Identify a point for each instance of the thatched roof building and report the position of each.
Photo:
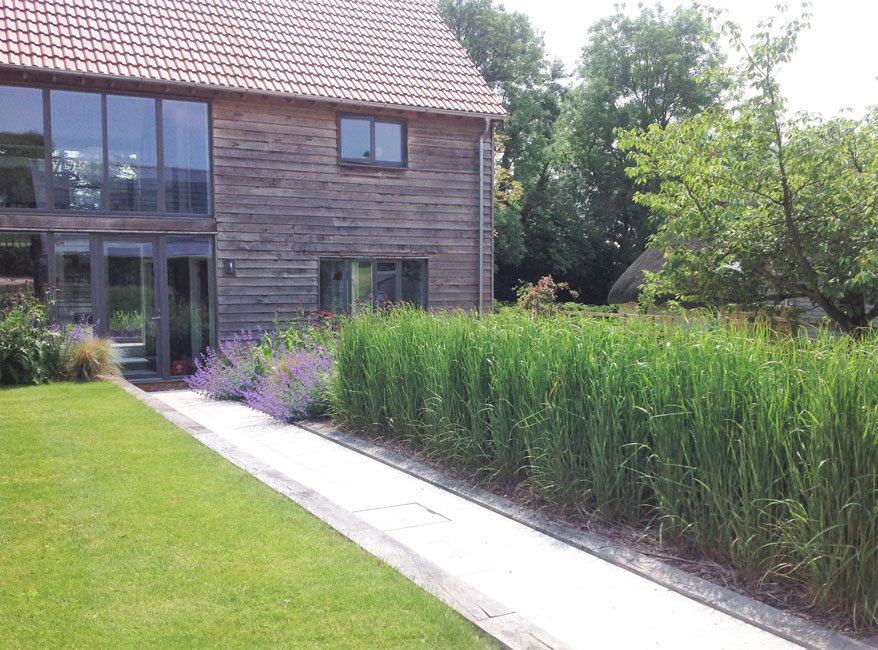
(627, 287)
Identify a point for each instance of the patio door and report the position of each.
(129, 302)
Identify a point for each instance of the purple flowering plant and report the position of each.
(283, 373)
(227, 372)
(294, 386)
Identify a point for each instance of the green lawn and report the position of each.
(118, 530)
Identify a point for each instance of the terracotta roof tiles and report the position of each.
(381, 51)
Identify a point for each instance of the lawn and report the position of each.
(119, 530)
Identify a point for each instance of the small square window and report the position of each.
(364, 140)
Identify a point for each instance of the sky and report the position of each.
(835, 66)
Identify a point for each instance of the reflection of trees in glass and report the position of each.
(22, 261)
(21, 166)
(77, 181)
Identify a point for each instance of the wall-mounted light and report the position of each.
(229, 266)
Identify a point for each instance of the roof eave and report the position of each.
(249, 91)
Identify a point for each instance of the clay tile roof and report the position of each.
(380, 51)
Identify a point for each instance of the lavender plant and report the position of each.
(228, 372)
(282, 373)
(294, 386)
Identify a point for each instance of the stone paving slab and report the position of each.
(542, 592)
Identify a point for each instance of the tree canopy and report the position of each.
(636, 71)
(752, 205)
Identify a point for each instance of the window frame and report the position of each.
(161, 212)
(380, 164)
(346, 278)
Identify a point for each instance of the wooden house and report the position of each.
(181, 171)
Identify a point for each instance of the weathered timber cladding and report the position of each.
(282, 202)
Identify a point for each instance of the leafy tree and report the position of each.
(512, 58)
(649, 69)
(754, 205)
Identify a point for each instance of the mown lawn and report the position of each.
(118, 530)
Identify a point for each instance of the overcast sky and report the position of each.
(836, 65)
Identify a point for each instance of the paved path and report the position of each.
(578, 599)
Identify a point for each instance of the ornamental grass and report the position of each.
(756, 450)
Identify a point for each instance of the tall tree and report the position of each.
(782, 206)
(636, 71)
(512, 58)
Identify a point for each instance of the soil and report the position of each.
(776, 591)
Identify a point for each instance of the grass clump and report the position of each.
(759, 450)
(118, 530)
(89, 358)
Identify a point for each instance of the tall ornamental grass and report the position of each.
(758, 450)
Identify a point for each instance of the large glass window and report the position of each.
(22, 148)
(23, 261)
(73, 279)
(132, 154)
(353, 285)
(132, 314)
(368, 140)
(186, 156)
(190, 320)
(77, 150)
(108, 152)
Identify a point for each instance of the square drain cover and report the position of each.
(406, 515)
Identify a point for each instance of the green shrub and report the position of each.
(89, 358)
(753, 448)
(30, 347)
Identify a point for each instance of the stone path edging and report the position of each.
(785, 625)
(511, 630)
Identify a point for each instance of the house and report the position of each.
(181, 171)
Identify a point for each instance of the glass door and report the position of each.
(130, 302)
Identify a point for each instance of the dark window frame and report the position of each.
(99, 316)
(161, 213)
(380, 164)
(346, 277)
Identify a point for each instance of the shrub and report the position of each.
(30, 347)
(283, 373)
(294, 385)
(761, 450)
(542, 298)
(89, 357)
(229, 372)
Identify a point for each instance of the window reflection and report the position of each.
(77, 150)
(190, 317)
(388, 142)
(355, 139)
(132, 154)
(22, 152)
(23, 261)
(73, 279)
(186, 156)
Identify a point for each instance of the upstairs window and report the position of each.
(107, 153)
(22, 148)
(356, 284)
(365, 140)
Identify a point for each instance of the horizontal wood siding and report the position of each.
(282, 202)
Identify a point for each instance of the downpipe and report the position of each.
(482, 215)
